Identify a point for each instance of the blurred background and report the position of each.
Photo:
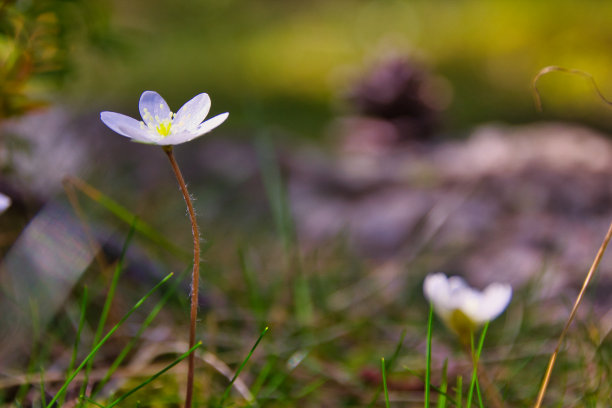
(291, 64)
(379, 137)
(296, 73)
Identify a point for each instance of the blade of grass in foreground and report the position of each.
(475, 359)
(459, 392)
(43, 397)
(146, 323)
(77, 341)
(433, 387)
(443, 386)
(428, 356)
(479, 395)
(110, 295)
(389, 367)
(229, 387)
(92, 402)
(153, 377)
(114, 281)
(101, 343)
(384, 381)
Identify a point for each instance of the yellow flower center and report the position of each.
(462, 325)
(164, 128)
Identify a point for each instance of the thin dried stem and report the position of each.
(588, 278)
(195, 276)
(552, 68)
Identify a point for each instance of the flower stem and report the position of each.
(195, 276)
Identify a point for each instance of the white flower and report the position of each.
(463, 308)
(161, 126)
(5, 202)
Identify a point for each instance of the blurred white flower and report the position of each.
(5, 202)
(461, 307)
(161, 126)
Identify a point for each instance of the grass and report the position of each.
(328, 357)
(330, 315)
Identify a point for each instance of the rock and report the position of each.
(506, 204)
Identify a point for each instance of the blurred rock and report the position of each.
(39, 149)
(507, 204)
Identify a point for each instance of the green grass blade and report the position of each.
(481, 341)
(153, 377)
(262, 376)
(438, 390)
(474, 377)
(248, 357)
(110, 333)
(475, 358)
(146, 323)
(43, 397)
(479, 395)
(114, 281)
(478, 353)
(389, 366)
(77, 340)
(443, 386)
(384, 381)
(110, 295)
(91, 401)
(459, 392)
(428, 356)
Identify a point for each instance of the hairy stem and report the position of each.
(195, 276)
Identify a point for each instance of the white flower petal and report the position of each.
(211, 123)
(469, 301)
(192, 113)
(127, 126)
(186, 135)
(451, 294)
(176, 138)
(494, 300)
(434, 285)
(5, 202)
(160, 126)
(153, 108)
(437, 291)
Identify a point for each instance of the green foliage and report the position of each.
(293, 367)
(37, 43)
(292, 63)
